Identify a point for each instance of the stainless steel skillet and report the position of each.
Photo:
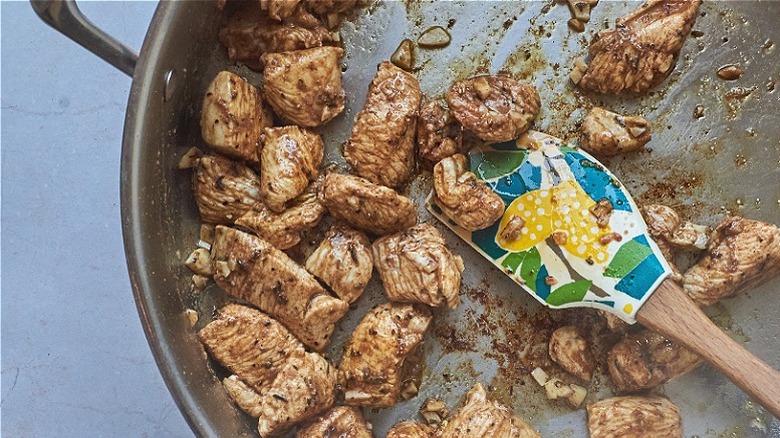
(729, 160)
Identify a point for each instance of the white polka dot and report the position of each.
(558, 223)
(574, 239)
(533, 236)
(594, 230)
(520, 207)
(567, 219)
(544, 193)
(601, 256)
(581, 249)
(527, 213)
(538, 201)
(540, 212)
(584, 212)
(524, 230)
(539, 227)
(583, 224)
(577, 204)
(585, 239)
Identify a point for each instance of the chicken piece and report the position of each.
(664, 223)
(641, 50)
(742, 253)
(645, 359)
(279, 9)
(284, 230)
(416, 267)
(304, 86)
(411, 429)
(304, 388)
(250, 344)
(381, 147)
(438, 135)
(325, 7)
(371, 369)
(247, 399)
(289, 161)
(233, 117)
(343, 261)
(372, 208)
(494, 108)
(605, 133)
(250, 268)
(249, 33)
(464, 199)
(571, 351)
(634, 417)
(338, 422)
(224, 189)
(434, 411)
(480, 417)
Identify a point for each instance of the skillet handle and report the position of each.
(65, 16)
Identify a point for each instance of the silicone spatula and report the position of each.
(584, 243)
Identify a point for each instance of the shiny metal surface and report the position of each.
(727, 161)
(65, 16)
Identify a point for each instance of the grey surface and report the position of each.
(74, 358)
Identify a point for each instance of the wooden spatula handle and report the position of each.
(671, 313)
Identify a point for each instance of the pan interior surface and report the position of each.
(727, 162)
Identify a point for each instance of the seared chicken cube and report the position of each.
(434, 411)
(381, 147)
(343, 261)
(605, 133)
(325, 7)
(742, 253)
(439, 135)
(411, 429)
(304, 86)
(480, 418)
(233, 117)
(279, 9)
(641, 50)
(571, 351)
(341, 422)
(371, 369)
(464, 199)
(246, 398)
(250, 344)
(664, 223)
(370, 207)
(304, 388)
(645, 359)
(417, 267)
(284, 230)
(289, 161)
(634, 417)
(249, 33)
(250, 268)
(224, 189)
(494, 108)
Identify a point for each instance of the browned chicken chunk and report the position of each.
(645, 359)
(338, 422)
(304, 388)
(417, 267)
(250, 344)
(742, 253)
(224, 189)
(439, 135)
(343, 261)
(605, 133)
(284, 230)
(371, 369)
(671, 233)
(641, 50)
(634, 417)
(494, 108)
(233, 117)
(249, 33)
(571, 351)
(304, 86)
(466, 200)
(480, 418)
(289, 161)
(381, 147)
(324, 7)
(372, 208)
(411, 429)
(279, 9)
(247, 399)
(250, 268)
